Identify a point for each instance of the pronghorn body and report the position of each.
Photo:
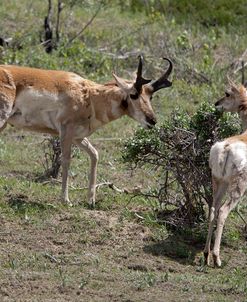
(65, 104)
(43, 100)
(228, 163)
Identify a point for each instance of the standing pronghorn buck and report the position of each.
(63, 103)
(228, 162)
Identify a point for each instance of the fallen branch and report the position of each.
(52, 258)
(108, 184)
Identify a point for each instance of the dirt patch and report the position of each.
(83, 255)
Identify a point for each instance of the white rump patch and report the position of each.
(228, 159)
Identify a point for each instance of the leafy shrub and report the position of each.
(177, 153)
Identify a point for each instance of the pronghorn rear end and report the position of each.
(228, 163)
(65, 104)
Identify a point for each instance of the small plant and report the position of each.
(52, 157)
(145, 280)
(177, 156)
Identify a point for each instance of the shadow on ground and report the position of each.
(177, 248)
(20, 203)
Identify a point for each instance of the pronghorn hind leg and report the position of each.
(236, 191)
(6, 106)
(7, 97)
(219, 190)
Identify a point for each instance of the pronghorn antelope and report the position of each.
(63, 103)
(228, 162)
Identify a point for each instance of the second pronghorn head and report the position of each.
(235, 99)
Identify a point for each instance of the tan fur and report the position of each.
(235, 100)
(65, 104)
(228, 162)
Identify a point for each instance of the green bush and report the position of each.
(177, 153)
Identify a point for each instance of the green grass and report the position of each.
(120, 251)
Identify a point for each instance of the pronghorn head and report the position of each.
(235, 99)
(138, 95)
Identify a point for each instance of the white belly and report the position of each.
(35, 109)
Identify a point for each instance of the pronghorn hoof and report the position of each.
(91, 202)
(207, 258)
(91, 205)
(67, 202)
(217, 261)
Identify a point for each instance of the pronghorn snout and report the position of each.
(151, 121)
(218, 104)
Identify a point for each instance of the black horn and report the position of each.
(163, 82)
(140, 81)
(243, 77)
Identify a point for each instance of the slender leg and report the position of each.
(93, 153)
(237, 190)
(66, 136)
(3, 127)
(219, 189)
(6, 105)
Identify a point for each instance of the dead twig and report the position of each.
(48, 29)
(87, 24)
(52, 258)
(59, 9)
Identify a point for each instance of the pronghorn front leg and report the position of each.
(93, 153)
(66, 136)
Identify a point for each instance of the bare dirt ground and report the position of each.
(88, 255)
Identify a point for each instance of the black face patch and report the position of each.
(134, 96)
(124, 104)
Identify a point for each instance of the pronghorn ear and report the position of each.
(233, 86)
(235, 89)
(121, 83)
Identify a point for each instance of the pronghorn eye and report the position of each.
(227, 94)
(134, 96)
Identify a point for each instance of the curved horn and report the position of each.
(140, 81)
(244, 83)
(169, 70)
(163, 82)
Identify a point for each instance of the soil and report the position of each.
(89, 255)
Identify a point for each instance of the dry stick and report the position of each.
(128, 34)
(52, 258)
(49, 11)
(86, 25)
(124, 56)
(240, 215)
(237, 61)
(59, 9)
(48, 29)
(109, 184)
